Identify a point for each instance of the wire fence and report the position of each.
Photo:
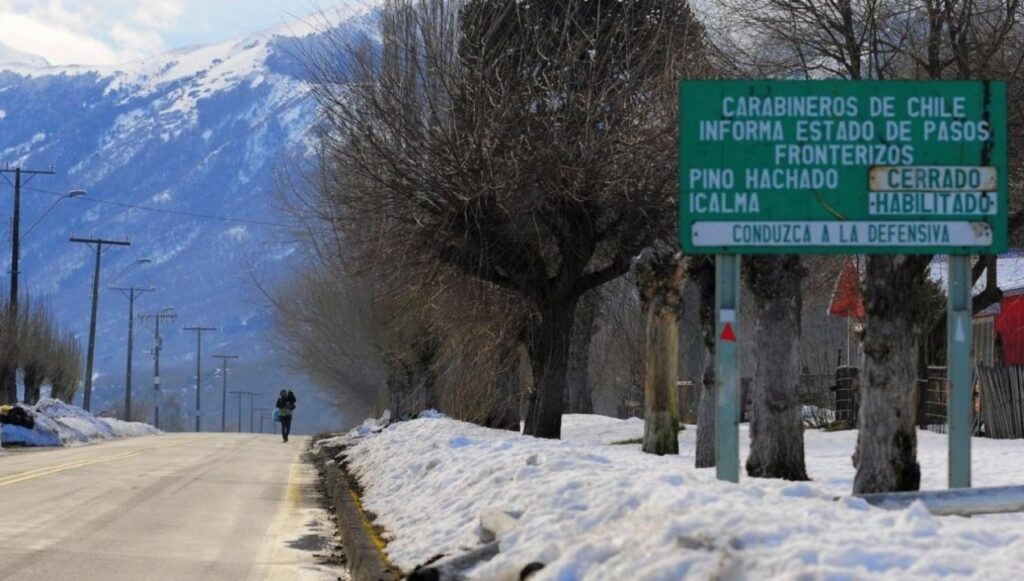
(831, 400)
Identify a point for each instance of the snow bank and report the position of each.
(596, 511)
(60, 424)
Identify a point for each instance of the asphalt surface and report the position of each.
(176, 506)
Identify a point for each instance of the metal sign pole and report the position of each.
(959, 338)
(727, 376)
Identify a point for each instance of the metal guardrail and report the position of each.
(958, 501)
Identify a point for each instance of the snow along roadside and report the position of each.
(60, 424)
(597, 511)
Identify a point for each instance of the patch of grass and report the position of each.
(839, 425)
(627, 442)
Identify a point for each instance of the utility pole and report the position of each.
(167, 313)
(199, 369)
(224, 392)
(130, 292)
(240, 394)
(263, 414)
(8, 383)
(252, 400)
(99, 243)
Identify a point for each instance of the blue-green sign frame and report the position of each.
(867, 167)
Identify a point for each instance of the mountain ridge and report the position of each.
(199, 131)
(12, 56)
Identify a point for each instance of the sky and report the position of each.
(98, 32)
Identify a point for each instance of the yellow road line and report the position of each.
(39, 472)
(293, 495)
(370, 529)
(275, 561)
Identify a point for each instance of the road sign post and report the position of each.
(958, 341)
(727, 372)
(843, 167)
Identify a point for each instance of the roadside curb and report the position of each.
(363, 545)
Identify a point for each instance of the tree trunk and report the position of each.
(578, 379)
(706, 414)
(8, 384)
(549, 358)
(428, 385)
(399, 385)
(886, 456)
(33, 384)
(504, 413)
(426, 355)
(659, 278)
(529, 389)
(776, 428)
(702, 272)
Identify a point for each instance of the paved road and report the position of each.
(177, 506)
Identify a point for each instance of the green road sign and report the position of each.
(882, 167)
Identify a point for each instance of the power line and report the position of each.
(166, 210)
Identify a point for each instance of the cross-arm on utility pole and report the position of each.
(99, 243)
(16, 223)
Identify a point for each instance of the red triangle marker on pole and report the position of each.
(728, 334)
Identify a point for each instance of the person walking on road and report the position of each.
(285, 408)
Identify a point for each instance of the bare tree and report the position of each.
(65, 368)
(329, 325)
(36, 336)
(9, 331)
(617, 350)
(42, 349)
(173, 417)
(524, 145)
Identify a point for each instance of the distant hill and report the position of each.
(9, 56)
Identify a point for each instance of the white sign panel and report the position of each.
(905, 234)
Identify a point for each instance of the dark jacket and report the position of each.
(286, 402)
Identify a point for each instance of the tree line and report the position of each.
(497, 185)
(32, 341)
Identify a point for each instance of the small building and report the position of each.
(999, 328)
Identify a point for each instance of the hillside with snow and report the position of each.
(9, 56)
(180, 154)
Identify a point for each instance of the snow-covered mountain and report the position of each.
(9, 56)
(201, 131)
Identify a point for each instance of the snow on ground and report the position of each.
(592, 510)
(60, 424)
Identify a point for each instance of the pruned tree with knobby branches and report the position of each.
(529, 146)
